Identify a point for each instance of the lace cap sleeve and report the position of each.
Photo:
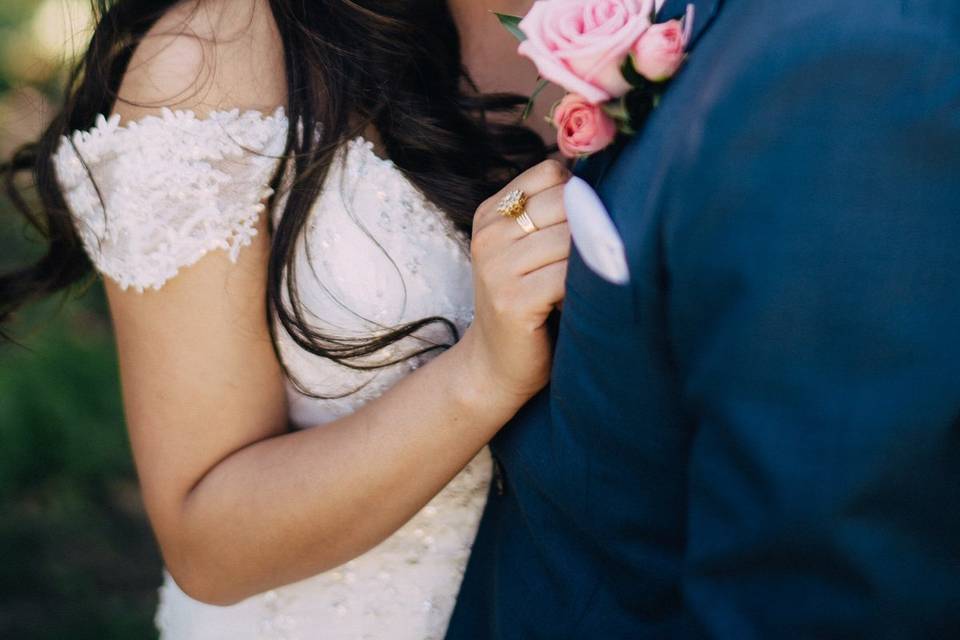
(156, 195)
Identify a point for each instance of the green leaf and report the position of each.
(630, 74)
(543, 84)
(620, 112)
(512, 24)
(617, 109)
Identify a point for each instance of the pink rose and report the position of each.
(582, 127)
(658, 54)
(581, 44)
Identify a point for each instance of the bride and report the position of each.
(279, 195)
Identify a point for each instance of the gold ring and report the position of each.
(526, 223)
(513, 204)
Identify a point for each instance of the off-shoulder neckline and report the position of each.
(113, 123)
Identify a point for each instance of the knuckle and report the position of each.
(555, 277)
(510, 301)
(485, 207)
(553, 170)
(554, 196)
(549, 200)
(480, 242)
(485, 273)
(556, 241)
(501, 305)
(561, 205)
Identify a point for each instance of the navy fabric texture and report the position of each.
(759, 435)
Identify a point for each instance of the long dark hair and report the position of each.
(350, 65)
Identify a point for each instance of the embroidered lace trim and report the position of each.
(168, 189)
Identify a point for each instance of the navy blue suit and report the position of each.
(759, 435)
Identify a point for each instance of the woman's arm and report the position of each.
(239, 504)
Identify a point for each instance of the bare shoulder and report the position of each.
(207, 55)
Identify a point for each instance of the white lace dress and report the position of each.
(375, 254)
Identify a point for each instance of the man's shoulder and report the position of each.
(763, 67)
(786, 17)
(755, 47)
(751, 30)
(820, 44)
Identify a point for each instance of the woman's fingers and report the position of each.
(545, 210)
(519, 279)
(544, 176)
(538, 249)
(546, 286)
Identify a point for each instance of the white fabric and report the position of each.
(375, 254)
(175, 187)
(594, 233)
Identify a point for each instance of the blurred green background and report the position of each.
(77, 559)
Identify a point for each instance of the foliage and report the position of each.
(78, 558)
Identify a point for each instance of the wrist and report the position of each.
(476, 385)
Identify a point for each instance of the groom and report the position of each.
(758, 435)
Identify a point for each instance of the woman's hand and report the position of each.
(518, 280)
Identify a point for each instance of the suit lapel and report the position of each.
(594, 167)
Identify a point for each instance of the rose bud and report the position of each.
(660, 51)
(582, 127)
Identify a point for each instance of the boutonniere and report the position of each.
(609, 55)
